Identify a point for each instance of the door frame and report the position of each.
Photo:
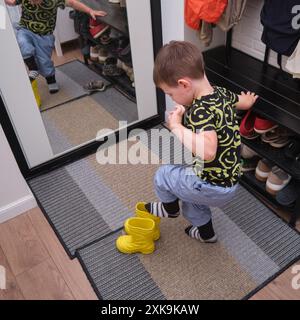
(91, 147)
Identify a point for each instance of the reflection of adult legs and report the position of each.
(27, 49)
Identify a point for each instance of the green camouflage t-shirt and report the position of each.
(41, 18)
(216, 112)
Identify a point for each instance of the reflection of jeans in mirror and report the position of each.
(38, 46)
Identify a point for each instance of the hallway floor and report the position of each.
(38, 267)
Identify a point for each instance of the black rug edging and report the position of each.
(71, 256)
(78, 256)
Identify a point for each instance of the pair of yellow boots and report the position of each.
(142, 230)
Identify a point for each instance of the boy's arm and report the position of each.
(246, 100)
(83, 8)
(10, 2)
(203, 144)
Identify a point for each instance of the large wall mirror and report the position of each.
(99, 74)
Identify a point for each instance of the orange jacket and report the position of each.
(207, 10)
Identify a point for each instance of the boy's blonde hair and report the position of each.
(176, 60)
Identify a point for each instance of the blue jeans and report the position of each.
(180, 182)
(38, 46)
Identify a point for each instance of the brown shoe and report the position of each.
(277, 180)
(262, 170)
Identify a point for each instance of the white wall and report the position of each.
(174, 28)
(15, 195)
(247, 34)
(19, 100)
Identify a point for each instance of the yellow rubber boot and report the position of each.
(36, 92)
(141, 212)
(140, 236)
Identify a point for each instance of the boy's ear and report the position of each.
(184, 83)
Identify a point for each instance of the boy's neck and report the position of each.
(202, 88)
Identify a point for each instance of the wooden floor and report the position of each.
(37, 266)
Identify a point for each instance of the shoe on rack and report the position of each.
(110, 68)
(280, 142)
(125, 55)
(98, 30)
(105, 39)
(246, 152)
(262, 125)
(123, 3)
(249, 164)
(247, 126)
(93, 23)
(114, 1)
(264, 167)
(95, 85)
(277, 180)
(102, 55)
(288, 195)
(94, 53)
(122, 43)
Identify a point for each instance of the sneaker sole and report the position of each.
(261, 131)
(261, 175)
(274, 188)
(279, 145)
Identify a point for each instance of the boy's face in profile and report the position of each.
(181, 94)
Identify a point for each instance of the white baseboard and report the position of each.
(16, 208)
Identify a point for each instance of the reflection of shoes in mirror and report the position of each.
(98, 30)
(33, 74)
(94, 52)
(53, 87)
(123, 3)
(125, 55)
(102, 55)
(111, 69)
(105, 39)
(95, 85)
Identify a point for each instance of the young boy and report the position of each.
(35, 34)
(205, 122)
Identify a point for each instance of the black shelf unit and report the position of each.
(116, 16)
(117, 19)
(279, 101)
(276, 155)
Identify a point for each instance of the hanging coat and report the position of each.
(207, 10)
(279, 34)
(230, 17)
(293, 63)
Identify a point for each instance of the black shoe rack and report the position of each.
(279, 101)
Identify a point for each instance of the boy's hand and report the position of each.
(97, 13)
(175, 117)
(246, 100)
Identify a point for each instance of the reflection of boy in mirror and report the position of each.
(35, 34)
